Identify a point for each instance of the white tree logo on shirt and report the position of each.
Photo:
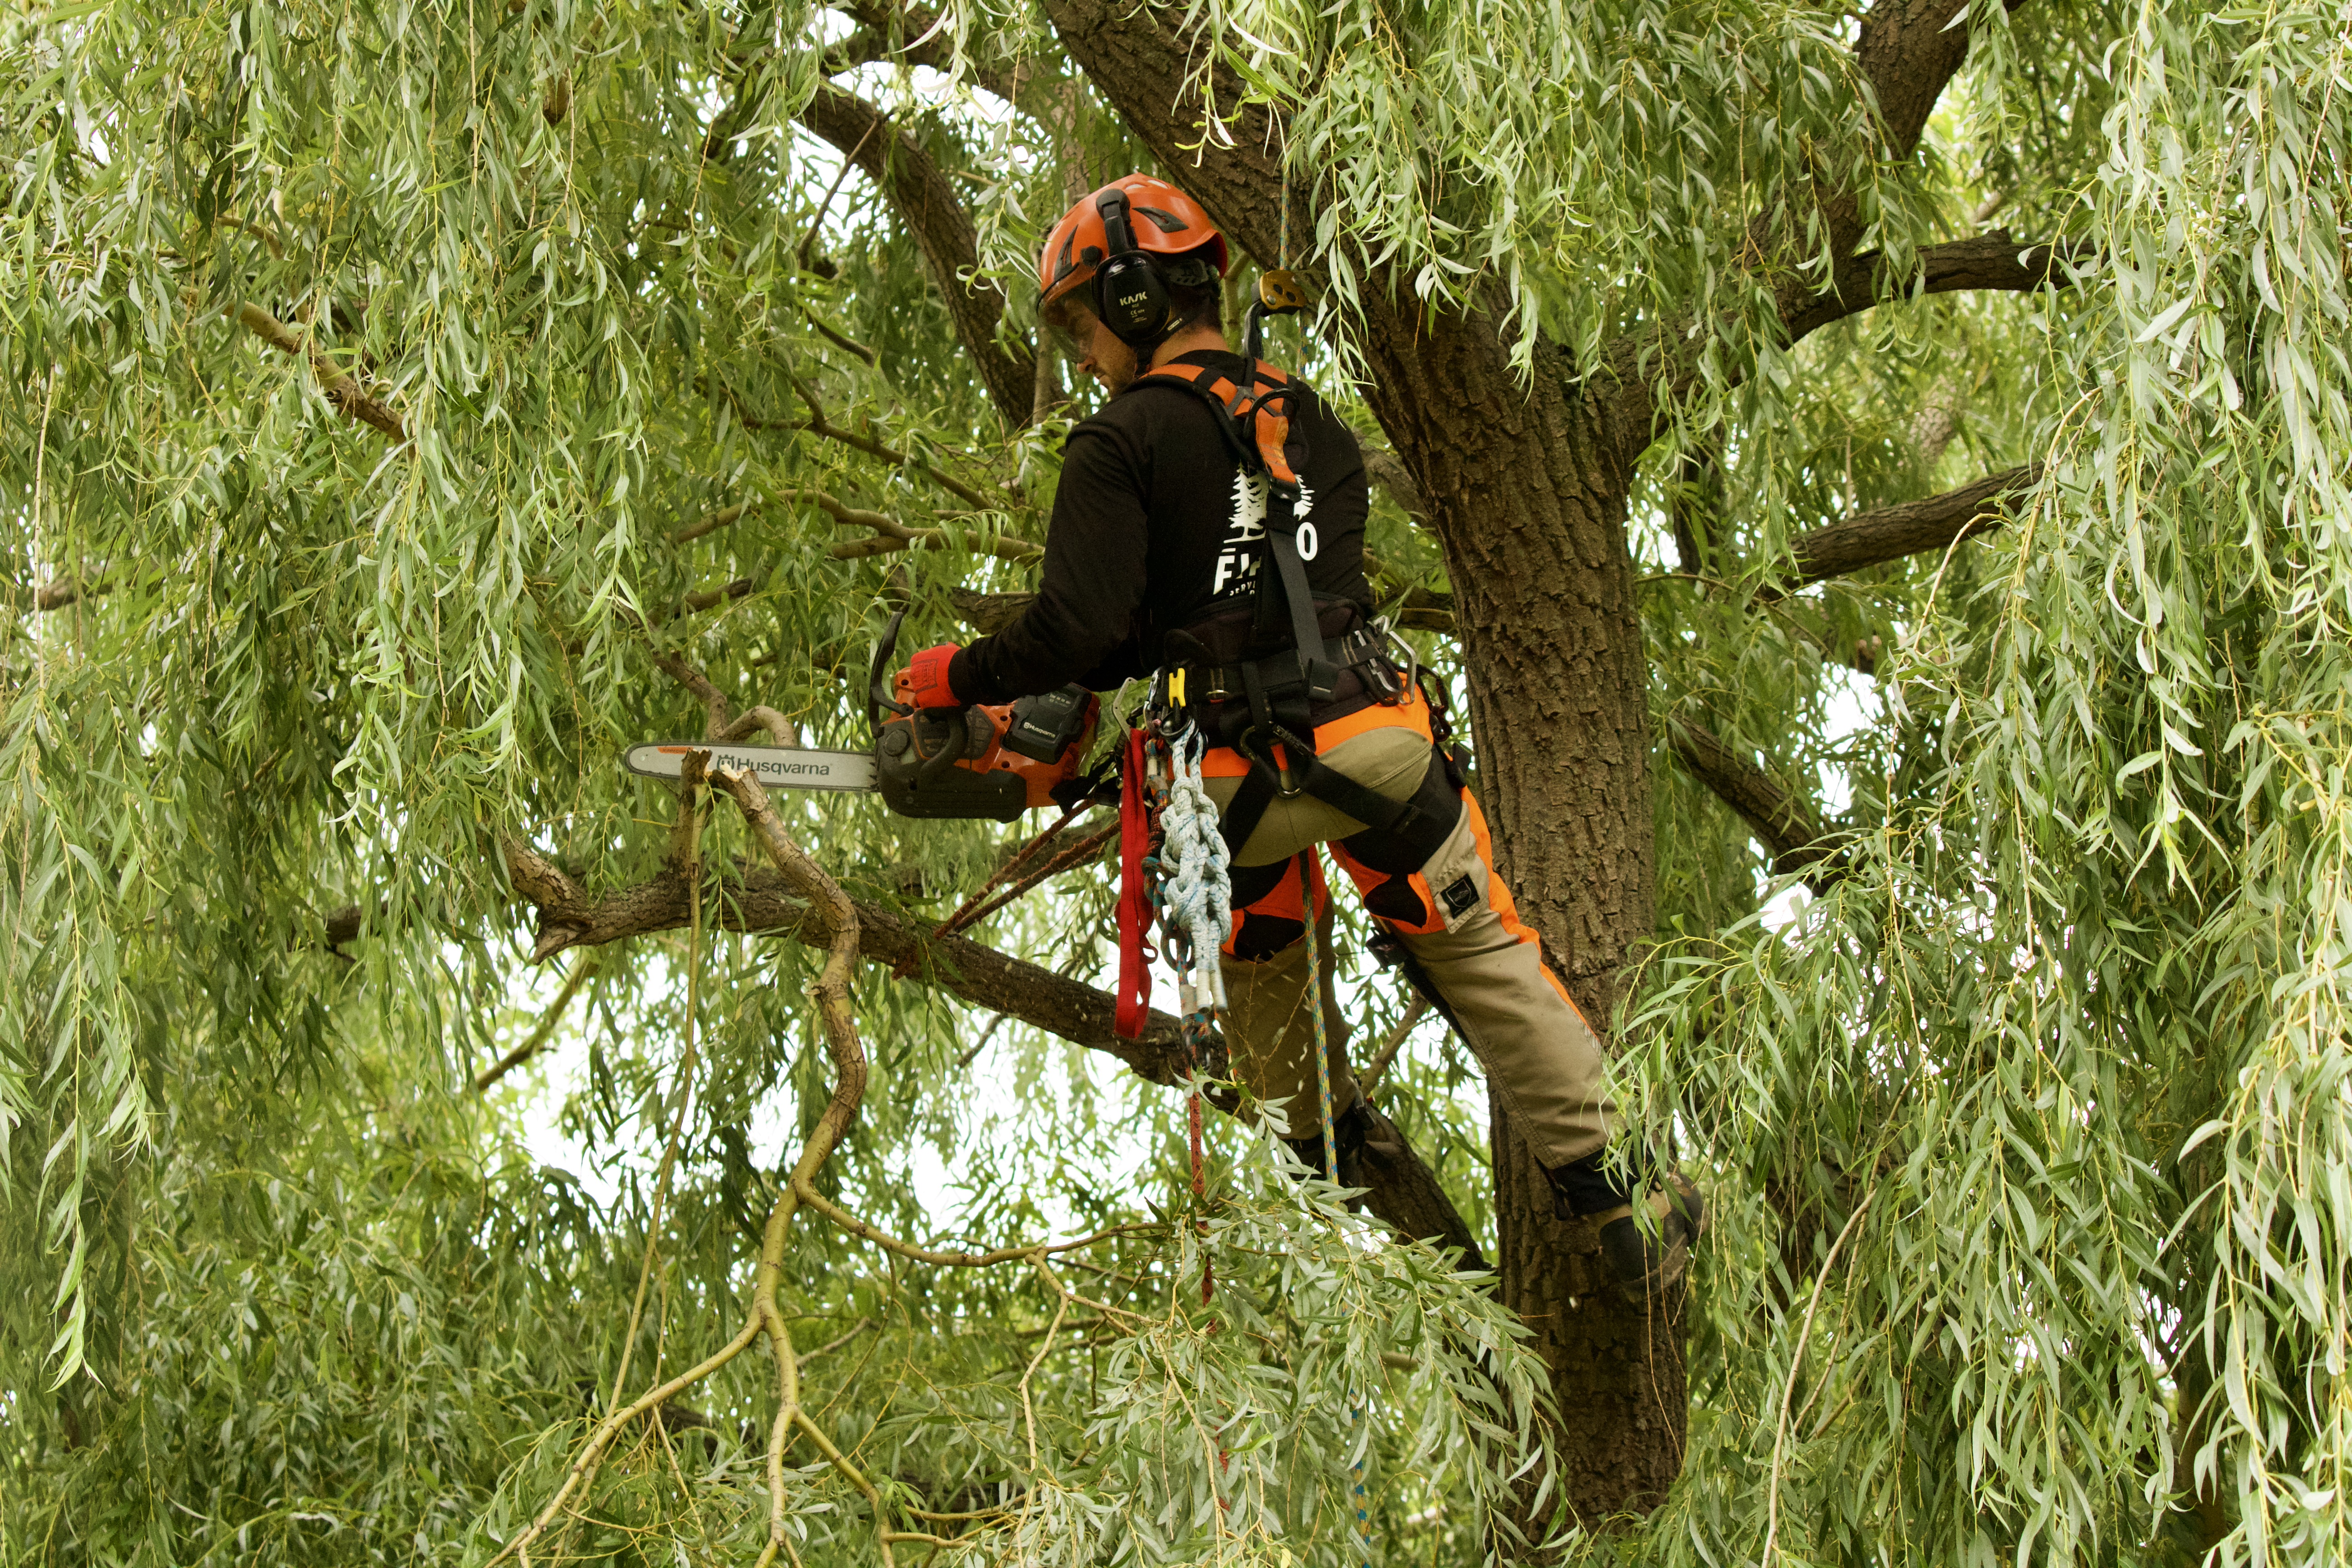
(1239, 553)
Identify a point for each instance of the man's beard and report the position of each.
(1119, 370)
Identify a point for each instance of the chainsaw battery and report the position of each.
(1045, 726)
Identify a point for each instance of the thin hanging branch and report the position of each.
(817, 424)
(543, 1032)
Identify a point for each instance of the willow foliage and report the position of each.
(394, 394)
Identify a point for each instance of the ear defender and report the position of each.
(1130, 297)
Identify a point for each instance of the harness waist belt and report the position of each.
(1223, 682)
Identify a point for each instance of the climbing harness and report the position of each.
(1264, 707)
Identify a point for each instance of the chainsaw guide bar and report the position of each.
(774, 766)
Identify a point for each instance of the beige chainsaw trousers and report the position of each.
(1450, 910)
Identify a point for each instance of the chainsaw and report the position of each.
(992, 762)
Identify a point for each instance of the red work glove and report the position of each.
(924, 681)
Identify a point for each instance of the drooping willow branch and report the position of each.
(836, 917)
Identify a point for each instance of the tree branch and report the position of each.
(925, 201)
(757, 900)
(1892, 532)
(1405, 1191)
(1386, 470)
(341, 389)
(542, 1033)
(716, 725)
(882, 34)
(1990, 261)
(1784, 824)
(725, 516)
(1908, 54)
(59, 592)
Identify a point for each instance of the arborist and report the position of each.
(1209, 524)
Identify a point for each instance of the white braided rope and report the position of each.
(1199, 889)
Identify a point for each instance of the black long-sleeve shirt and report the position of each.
(1151, 530)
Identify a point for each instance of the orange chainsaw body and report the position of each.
(995, 761)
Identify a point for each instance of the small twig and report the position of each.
(981, 904)
(539, 1036)
(829, 1346)
(1061, 1311)
(1369, 1078)
(980, 1044)
(816, 220)
(928, 1517)
(865, 1232)
(890, 535)
(1788, 1389)
(841, 340)
(816, 423)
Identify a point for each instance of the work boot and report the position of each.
(1648, 1260)
(1354, 1132)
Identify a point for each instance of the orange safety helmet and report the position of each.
(1128, 236)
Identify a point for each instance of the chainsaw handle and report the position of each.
(950, 751)
(877, 696)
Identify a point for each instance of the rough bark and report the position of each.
(1892, 532)
(1529, 501)
(1992, 261)
(926, 200)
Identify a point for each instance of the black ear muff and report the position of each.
(1130, 297)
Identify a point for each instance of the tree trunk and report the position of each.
(1528, 502)
(1525, 487)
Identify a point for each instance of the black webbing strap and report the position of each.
(1423, 831)
(1322, 676)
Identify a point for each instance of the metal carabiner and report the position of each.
(1386, 627)
(1281, 784)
